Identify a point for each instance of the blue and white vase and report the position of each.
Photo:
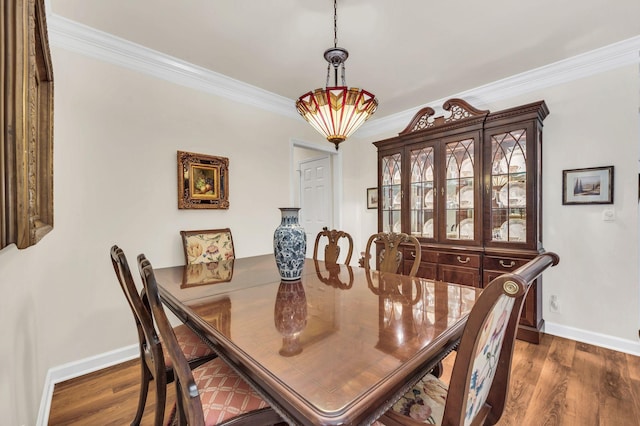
(290, 245)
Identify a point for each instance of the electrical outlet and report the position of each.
(609, 215)
(554, 304)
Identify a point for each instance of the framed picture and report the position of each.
(588, 186)
(203, 181)
(372, 198)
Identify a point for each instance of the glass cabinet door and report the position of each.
(459, 190)
(422, 204)
(509, 186)
(391, 192)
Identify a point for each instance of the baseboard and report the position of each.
(597, 339)
(77, 369)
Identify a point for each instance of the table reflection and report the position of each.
(207, 273)
(404, 313)
(330, 274)
(290, 316)
(216, 312)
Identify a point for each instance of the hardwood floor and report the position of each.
(107, 397)
(558, 382)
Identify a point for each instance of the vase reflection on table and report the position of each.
(290, 315)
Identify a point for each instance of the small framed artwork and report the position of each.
(588, 186)
(203, 181)
(372, 198)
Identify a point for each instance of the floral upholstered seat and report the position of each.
(207, 246)
(480, 377)
(425, 402)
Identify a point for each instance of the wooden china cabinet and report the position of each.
(468, 186)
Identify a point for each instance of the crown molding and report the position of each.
(610, 57)
(79, 38)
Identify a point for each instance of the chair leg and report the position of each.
(438, 370)
(161, 397)
(145, 378)
(181, 416)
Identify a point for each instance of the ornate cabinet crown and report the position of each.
(468, 186)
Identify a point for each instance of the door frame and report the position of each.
(336, 175)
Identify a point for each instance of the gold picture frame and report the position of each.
(26, 113)
(203, 181)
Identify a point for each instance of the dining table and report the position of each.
(339, 346)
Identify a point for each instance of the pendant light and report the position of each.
(336, 111)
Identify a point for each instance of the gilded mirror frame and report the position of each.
(26, 113)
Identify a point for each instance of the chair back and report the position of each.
(480, 377)
(187, 397)
(150, 346)
(390, 254)
(206, 246)
(332, 249)
(149, 343)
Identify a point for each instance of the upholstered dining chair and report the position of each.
(155, 364)
(206, 246)
(480, 378)
(211, 394)
(332, 249)
(390, 256)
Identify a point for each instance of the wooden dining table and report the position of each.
(337, 347)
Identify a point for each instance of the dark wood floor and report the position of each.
(558, 382)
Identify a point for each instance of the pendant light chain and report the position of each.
(335, 23)
(335, 44)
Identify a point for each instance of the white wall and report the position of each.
(594, 122)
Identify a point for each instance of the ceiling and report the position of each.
(406, 52)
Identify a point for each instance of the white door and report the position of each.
(315, 198)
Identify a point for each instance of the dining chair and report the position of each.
(332, 249)
(155, 364)
(208, 245)
(479, 381)
(390, 256)
(213, 393)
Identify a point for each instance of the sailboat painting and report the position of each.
(588, 186)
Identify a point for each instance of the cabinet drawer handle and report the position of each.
(507, 265)
(466, 260)
(413, 254)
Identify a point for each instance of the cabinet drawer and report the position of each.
(499, 263)
(425, 255)
(466, 260)
(458, 275)
(426, 270)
